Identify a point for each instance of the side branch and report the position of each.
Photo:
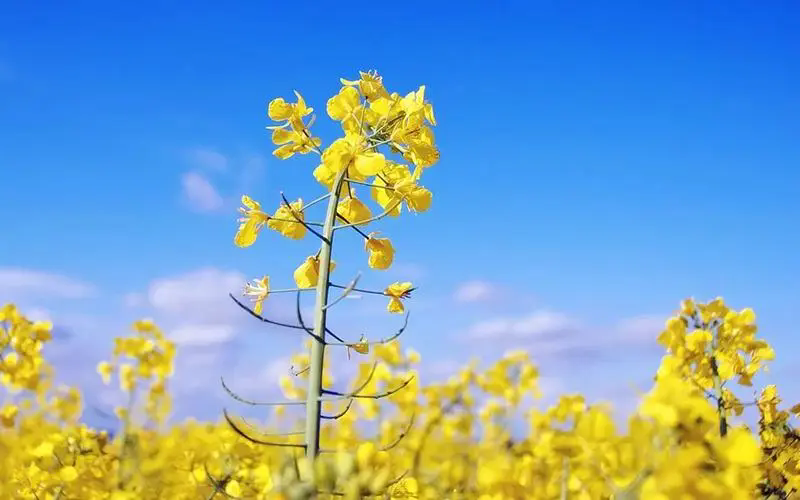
(371, 219)
(300, 221)
(272, 322)
(371, 396)
(382, 341)
(308, 330)
(246, 436)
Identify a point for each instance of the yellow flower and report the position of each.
(68, 474)
(353, 210)
(381, 252)
(345, 107)
(350, 153)
(307, 274)
(397, 184)
(370, 85)
(293, 136)
(8, 415)
(252, 222)
(259, 290)
(127, 377)
(396, 292)
(233, 488)
(105, 369)
(361, 347)
(285, 220)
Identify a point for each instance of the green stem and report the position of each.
(723, 421)
(313, 403)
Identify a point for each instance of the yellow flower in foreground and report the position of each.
(251, 223)
(280, 110)
(351, 153)
(381, 252)
(353, 210)
(307, 275)
(259, 290)
(370, 85)
(293, 136)
(285, 220)
(395, 292)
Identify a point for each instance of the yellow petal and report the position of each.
(279, 109)
(368, 164)
(68, 473)
(247, 233)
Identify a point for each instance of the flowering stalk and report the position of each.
(313, 402)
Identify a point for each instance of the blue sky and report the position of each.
(600, 162)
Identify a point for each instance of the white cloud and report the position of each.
(38, 314)
(537, 325)
(202, 335)
(133, 299)
(201, 296)
(476, 291)
(644, 328)
(208, 159)
(199, 193)
(15, 282)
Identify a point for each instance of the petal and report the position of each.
(284, 152)
(281, 136)
(247, 233)
(279, 109)
(369, 164)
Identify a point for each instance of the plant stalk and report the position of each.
(313, 403)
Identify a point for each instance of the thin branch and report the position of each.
(314, 202)
(297, 373)
(354, 225)
(339, 415)
(319, 224)
(339, 396)
(272, 434)
(344, 294)
(402, 435)
(272, 322)
(300, 221)
(308, 330)
(257, 403)
(388, 188)
(243, 434)
(382, 341)
(371, 219)
(371, 396)
(372, 292)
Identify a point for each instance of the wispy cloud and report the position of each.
(549, 332)
(199, 194)
(642, 328)
(209, 169)
(200, 294)
(17, 282)
(207, 159)
(476, 291)
(536, 325)
(202, 335)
